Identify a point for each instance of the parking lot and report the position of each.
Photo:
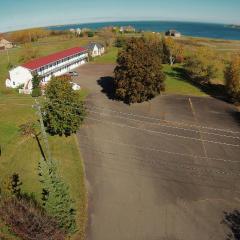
(167, 169)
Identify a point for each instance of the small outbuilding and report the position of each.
(5, 44)
(173, 33)
(95, 49)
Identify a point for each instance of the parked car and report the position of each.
(75, 86)
(73, 74)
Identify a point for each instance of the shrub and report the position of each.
(36, 90)
(138, 75)
(201, 66)
(28, 221)
(90, 34)
(232, 78)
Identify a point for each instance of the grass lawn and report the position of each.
(175, 84)
(109, 57)
(21, 155)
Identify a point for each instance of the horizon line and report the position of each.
(121, 21)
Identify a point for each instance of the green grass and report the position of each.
(175, 84)
(109, 57)
(21, 155)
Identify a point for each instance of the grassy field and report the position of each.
(21, 155)
(109, 57)
(176, 84)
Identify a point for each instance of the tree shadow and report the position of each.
(236, 116)
(215, 90)
(107, 84)
(232, 221)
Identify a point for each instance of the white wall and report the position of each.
(18, 76)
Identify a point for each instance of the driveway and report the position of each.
(167, 169)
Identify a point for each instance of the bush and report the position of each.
(28, 220)
(36, 92)
(232, 78)
(120, 42)
(63, 111)
(138, 75)
(90, 34)
(201, 66)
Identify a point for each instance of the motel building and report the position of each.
(56, 64)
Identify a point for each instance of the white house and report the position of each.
(53, 65)
(95, 49)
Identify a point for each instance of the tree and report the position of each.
(12, 186)
(172, 51)
(201, 65)
(36, 88)
(120, 42)
(138, 75)
(56, 198)
(63, 111)
(232, 78)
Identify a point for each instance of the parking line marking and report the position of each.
(196, 120)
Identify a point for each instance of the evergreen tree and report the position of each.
(36, 89)
(138, 75)
(56, 198)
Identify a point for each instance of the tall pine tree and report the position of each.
(56, 197)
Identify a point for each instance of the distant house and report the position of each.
(5, 44)
(127, 29)
(95, 49)
(78, 31)
(173, 33)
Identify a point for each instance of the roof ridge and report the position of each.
(44, 60)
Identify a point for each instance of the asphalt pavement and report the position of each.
(166, 169)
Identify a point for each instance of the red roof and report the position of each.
(37, 63)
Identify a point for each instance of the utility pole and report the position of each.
(44, 134)
(8, 56)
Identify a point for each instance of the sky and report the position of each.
(19, 14)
